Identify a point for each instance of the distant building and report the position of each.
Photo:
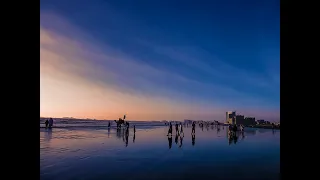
(261, 121)
(249, 121)
(187, 121)
(239, 119)
(230, 117)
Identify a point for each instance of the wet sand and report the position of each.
(99, 153)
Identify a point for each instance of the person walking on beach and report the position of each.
(134, 129)
(47, 122)
(109, 124)
(193, 128)
(50, 122)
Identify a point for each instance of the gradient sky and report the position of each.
(157, 60)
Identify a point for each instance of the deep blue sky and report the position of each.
(225, 44)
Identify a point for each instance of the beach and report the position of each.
(94, 152)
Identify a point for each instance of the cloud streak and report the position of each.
(84, 77)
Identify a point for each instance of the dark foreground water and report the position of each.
(96, 153)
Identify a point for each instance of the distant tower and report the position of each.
(230, 117)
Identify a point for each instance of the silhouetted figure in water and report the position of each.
(50, 123)
(109, 124)
(177, 130)
(193, 139)
(127, 136)
(170, 129)
(202, 128)
(170, 141)
(181, 128)
(47, 123)
(193, 131)
(134, 137)
(134, 129)
(176, 139)
(181, 140)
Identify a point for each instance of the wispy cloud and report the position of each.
(82, 76)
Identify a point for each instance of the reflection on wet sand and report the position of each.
(134, 137)
(232, 136)
(193, 137)
(170, 141)
(48, 134)
(181, 140)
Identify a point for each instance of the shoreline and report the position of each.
(264, 127)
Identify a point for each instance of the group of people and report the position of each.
(179, 129)
(49, 123)
(125, 134)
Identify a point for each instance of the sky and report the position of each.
(159, 59)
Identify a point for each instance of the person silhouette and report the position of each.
(47, 123)
(193, 139)
(170, 141)
(181, 129)
(193, 131)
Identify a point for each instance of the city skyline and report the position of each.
(153, 61)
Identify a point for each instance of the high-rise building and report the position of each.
(230, 117)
